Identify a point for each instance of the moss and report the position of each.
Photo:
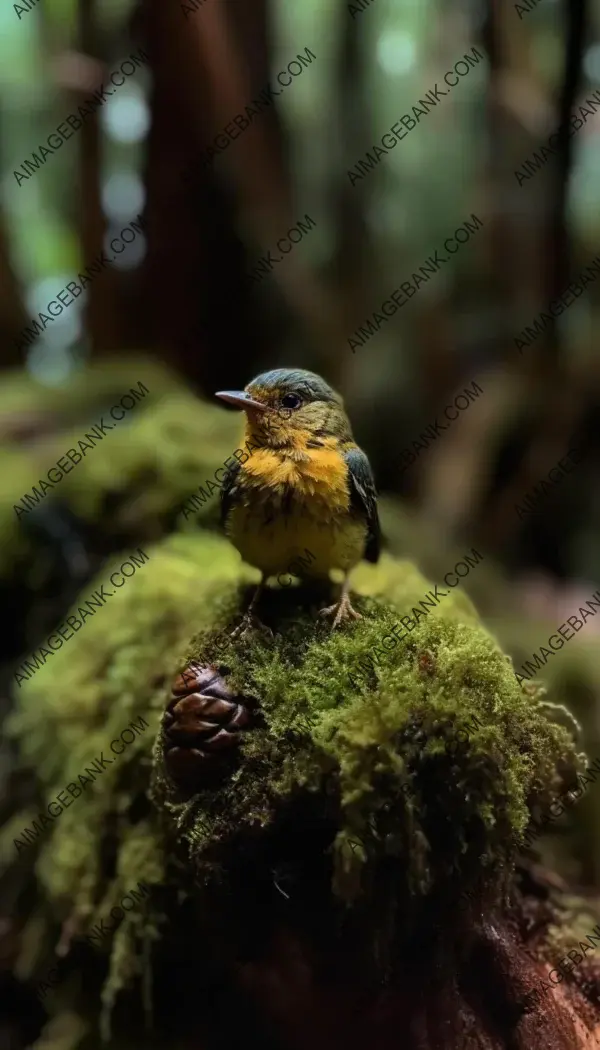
(81, 393)
(408, 529)
(112, 672)
(426, 761)
(391, 732)
(557, 922)
(116, 668)
(137, 479)
(66, 410)
(132, 484)
(571, 676)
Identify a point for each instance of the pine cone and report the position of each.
(202, 726)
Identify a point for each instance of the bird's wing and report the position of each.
(228, 490)
(363, 497)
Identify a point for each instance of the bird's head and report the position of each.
(287, 406)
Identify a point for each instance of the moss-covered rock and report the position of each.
(137, 479)
(438, 756)
(571, 676)
(129, 487)
(110, 675)
(133, 481)
(391, 775)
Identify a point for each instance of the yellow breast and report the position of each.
(317, 474)
(296, 505)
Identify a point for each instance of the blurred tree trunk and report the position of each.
(100, 314)
(207, 67)
(556, 403)
(13, 315)
(192, 297)
(354, 259)
(558, 255)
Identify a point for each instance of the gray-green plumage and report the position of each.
(363, 496)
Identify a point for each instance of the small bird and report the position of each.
(306, 486)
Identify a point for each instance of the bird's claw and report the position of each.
(250, 622)
(341, 611)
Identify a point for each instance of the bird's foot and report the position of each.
(341, 611)
(250, 622)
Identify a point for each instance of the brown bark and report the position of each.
(468, 996)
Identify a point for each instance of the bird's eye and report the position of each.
(291, 401)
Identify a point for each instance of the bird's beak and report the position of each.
(241, 399)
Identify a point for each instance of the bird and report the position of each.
(305, 486)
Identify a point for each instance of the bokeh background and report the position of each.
(178, 309)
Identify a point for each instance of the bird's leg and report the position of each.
(250, 621)
(341, 610)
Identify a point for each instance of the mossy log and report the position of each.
(307, 885)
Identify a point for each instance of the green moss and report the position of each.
(571, 675)
(117, 666)
(114, 670)
(86, 388)
(131, 486)
(430, 759)
(136, 480)
(382, 731)
(67, 411)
